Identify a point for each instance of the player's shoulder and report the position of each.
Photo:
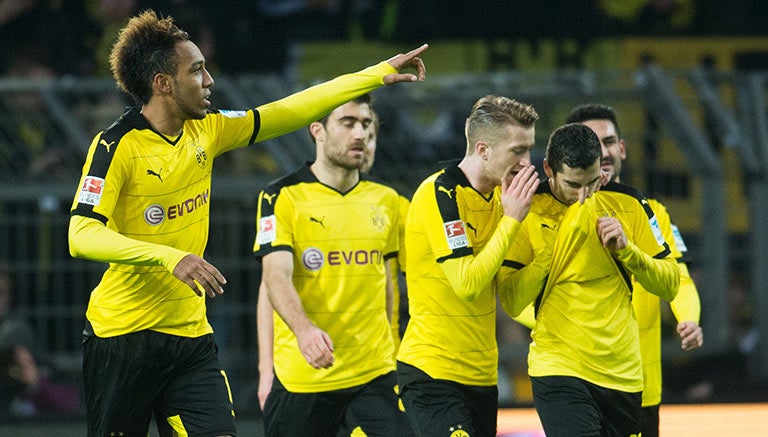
(619, 190)
(301, 175)
(129, 121)
(378, 184)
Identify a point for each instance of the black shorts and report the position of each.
(651, 421)
(438, 407)
(569, 406)
(130, 377)
(372, 406)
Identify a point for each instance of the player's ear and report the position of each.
(317, 130)
(547, 168)
(161, 83)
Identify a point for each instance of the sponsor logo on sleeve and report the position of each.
(456, 234)
(232, 114)
(90, 192)
(267, 232)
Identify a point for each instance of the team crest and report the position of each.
(201, 156)
(457, 431)
(377, 219)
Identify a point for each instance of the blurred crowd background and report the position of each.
(689, 79)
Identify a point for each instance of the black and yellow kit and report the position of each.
(154, 192)
(456, 239)
(585, 324)
(685, 306)
(339, 243)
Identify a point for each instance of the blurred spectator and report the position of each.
(46, 23)
(25, 391)
(31, 146)
(14, 330)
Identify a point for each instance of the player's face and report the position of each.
(370, 149)
(571, 185)
(513, 151)
(192, 82)
(613, 146)
(345, 135)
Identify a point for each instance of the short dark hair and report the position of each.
(593, 111)
(145, 46)
(365, 99)
(574, 145)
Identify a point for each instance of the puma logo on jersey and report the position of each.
(318, 221)
(269, 197)
(546, 226)
(151, 172)
(447, 191)
(106, 144)
(469, 225)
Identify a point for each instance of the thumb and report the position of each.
(399, 77)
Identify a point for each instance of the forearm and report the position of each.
(659, 276)
(286, 303)
(686, 305)
(91, 239)
(302, 108)
(265, 331)
(390, 290)
(518, 289)
(470, 275)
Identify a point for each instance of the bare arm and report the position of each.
(314, 343)
(265, 332)
(390, 290)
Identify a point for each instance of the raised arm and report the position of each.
(300, 109)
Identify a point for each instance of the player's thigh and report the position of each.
(621, 411)
(565, 407)
(121, 383)
(651, 421)
(442, 408)
(198, 398)
(375, 409)
(288, 414)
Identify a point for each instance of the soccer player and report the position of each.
(574, 255)
(685, 306)
(143, 206)
(326, 235)
(459, 227)
(264, 317)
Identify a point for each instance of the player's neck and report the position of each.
(339, 178)
(162, 120)
(472, 167)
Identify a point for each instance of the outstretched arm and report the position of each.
(300, 109)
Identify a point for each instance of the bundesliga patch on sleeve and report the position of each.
(657, 231)
(267, 230)
(90, 192)
(679, 242)
(455, 234)
(232, 114)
